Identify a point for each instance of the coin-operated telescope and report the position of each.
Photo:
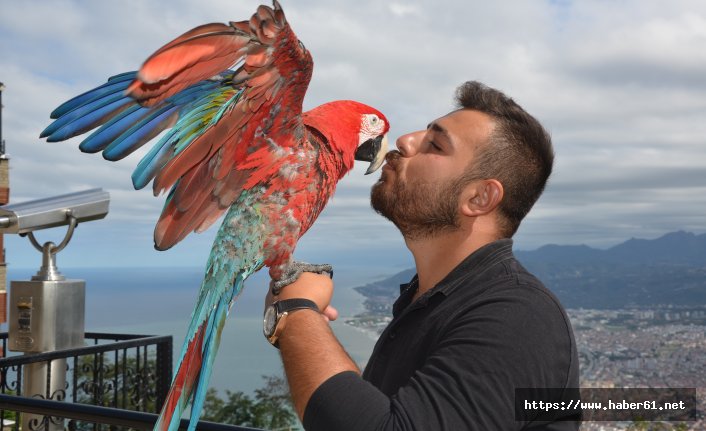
(47, 313)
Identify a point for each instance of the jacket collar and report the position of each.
(470, 268)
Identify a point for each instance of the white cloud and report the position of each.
(403, 9)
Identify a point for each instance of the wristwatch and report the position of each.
(276, 316)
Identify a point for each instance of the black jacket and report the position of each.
(453, 359)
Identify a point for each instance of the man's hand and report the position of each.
(310, 352)
(315, 287)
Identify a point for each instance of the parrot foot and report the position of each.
(293, 271)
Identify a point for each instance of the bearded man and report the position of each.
(473, 325)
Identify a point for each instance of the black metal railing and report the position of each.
(88, 414)
(128, 372)
(115, 382)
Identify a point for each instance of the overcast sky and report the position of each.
(621, 85)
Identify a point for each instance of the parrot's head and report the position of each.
(353, 130)
(372, 138)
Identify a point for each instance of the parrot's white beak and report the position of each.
(373, 151)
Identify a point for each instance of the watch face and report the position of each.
(268, 327)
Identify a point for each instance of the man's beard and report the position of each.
(419, 210)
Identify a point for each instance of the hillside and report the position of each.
(670, 270)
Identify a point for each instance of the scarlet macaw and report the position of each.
(239, 141)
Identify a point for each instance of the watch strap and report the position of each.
(286, 305)
(282, 309)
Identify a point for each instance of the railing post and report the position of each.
(164, 371)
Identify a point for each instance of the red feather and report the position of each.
(185, 378)
(196, 55)
(231, 156)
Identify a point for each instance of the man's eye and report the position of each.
(434, 146)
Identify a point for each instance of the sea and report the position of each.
(159, 301)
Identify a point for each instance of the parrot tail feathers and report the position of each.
(182, 385)
(211, 344)
(198, 354)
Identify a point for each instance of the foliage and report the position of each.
(8, 415)
(127, 383)
(641, 425)
(270, 408)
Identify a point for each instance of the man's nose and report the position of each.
(409, 144)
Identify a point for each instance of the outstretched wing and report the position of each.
(224, 90)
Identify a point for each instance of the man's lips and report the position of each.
(392, 159)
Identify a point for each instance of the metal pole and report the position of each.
(2, 141)
(4, 199)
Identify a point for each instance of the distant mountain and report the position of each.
(670, 270)
(676, 248)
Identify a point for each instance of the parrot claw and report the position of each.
(293, 271)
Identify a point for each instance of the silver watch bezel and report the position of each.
(274, 319)
(269, 323)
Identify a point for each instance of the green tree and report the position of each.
(271, 407)
(642, 425)
(102, 382)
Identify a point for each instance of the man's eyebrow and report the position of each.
(438, 129)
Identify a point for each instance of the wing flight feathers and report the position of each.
(227, 92)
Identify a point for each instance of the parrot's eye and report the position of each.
(371, 124)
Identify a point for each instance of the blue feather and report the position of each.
(182, 134)
(150, 164)
(102, 137)
(123, 76)
(117, 83)
(119, 124)
(139, 133)
(212, 341)
(82, 120)
(160, 153)
(188, 94)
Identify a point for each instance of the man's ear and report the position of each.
(481, 197)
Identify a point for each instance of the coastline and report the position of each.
(369, 324)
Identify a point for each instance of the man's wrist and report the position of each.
(298, 323)
(279, 312)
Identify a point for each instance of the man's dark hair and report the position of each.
(519, 153)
